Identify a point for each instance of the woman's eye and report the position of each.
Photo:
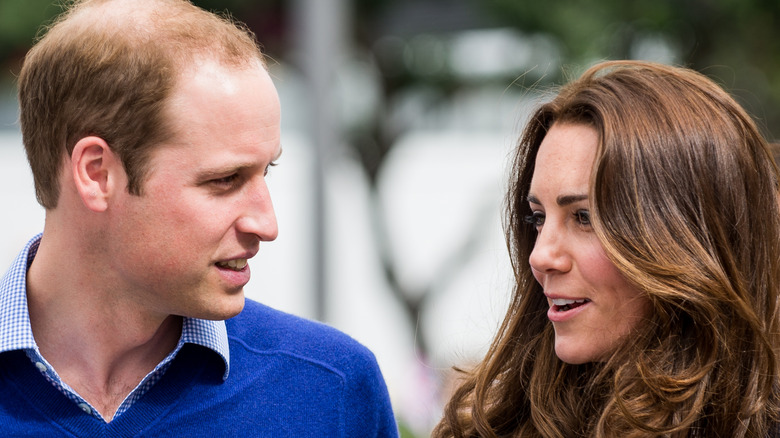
(583, 217)
(536, 219)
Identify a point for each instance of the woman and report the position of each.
(643, 227)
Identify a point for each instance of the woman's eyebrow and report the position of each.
(562, 200)
(565, 200)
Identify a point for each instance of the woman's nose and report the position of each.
(550, 254)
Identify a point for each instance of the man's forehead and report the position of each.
(212, 66)
(208, 80)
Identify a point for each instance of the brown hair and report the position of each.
(106, 68)
(684, 199)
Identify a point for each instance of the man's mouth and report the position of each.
(235, 264)
(563, 305)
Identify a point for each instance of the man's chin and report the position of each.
(225, 309)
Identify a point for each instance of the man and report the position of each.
(149, 127)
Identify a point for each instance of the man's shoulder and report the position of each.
(263, 329)
(294, 377)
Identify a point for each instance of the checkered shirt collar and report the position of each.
(16, 332)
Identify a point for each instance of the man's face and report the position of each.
(181, 247)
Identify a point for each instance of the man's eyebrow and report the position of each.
(219, 172)
(562, 200)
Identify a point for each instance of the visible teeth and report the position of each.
(235, 264)
(563, 302)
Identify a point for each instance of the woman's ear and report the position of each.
(94, 166)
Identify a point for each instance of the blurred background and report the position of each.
(398, 121)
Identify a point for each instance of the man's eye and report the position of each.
(583, 217)
(536, 219)
(225, 180)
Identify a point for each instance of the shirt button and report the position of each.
(41, 367)
(85, 407)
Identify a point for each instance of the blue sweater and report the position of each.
(289, 377)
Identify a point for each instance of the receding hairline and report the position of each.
(106, 68)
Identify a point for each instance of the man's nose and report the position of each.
(259, 217)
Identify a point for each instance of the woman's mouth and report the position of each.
(563, 305)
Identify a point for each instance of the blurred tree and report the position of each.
(380, 30)
(734, 42)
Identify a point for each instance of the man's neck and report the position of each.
(100, 343)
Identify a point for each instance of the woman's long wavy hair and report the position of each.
(684, 199)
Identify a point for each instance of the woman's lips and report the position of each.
(563, 309)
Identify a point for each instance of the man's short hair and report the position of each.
(106, 68)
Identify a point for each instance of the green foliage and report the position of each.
(19, 23)
(736, 42)
(19, 20)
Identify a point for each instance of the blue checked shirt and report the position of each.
(16, 334)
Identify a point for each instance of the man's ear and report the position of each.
(96, 172)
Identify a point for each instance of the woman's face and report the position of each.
(593, 308)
